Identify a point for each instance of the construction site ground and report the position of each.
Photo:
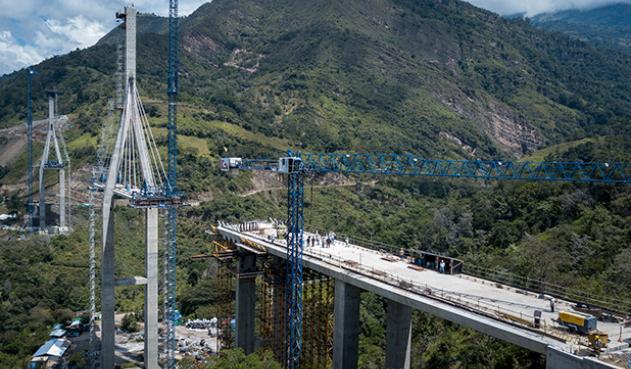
(130, 346)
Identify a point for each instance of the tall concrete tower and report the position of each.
(135, 172)
(47, 164)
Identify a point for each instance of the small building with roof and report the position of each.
(49, 354)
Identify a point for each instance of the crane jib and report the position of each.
(410, 165)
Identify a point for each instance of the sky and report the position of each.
(534, 7)
(33, 30)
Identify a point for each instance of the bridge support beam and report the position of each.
(398, 335)
(246, 302)
(108, 283)
(557, 359)
(346, 326)
(151, 289)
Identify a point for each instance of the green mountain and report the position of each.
(607, 25)
(438, 78)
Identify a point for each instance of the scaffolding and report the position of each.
(318, 311)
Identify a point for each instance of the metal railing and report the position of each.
(470, 302)
(614, 305)
(611, 304)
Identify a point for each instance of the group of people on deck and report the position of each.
(324, 241)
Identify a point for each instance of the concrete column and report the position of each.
(62, 199)
(42, 188)
(42, 200)
(398, 335)
(130, 43)
(246, 302)
(107, 296)
(346, 328)
(151, 289)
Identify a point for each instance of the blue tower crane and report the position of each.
(29, 148)
(295, 166)
(171, 251)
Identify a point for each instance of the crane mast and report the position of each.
(171, 244)
(29, 149)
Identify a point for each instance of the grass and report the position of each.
(540, 155)
(237, 131)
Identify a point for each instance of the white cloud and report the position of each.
(14, 56)
(78, 30)
(40, 29)
(534, 7)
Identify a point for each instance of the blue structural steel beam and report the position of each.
(29, 148)
(397, 164)
(171, 252)
(293, 291)
(411, 165)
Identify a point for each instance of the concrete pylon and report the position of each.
(51, 138)
(346, 326)
(151, 288)
(398, 335)
(246, 302)
(130, 133)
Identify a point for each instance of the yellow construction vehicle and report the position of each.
(577, 322)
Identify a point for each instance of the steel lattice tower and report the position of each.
(295, 230)
(29, 149)
(171, 251)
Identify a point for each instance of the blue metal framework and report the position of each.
(397, 164)
(53, 164)
(29, 148)
(171, 252)
(411, 165)
(295, 241)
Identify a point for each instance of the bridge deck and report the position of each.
(500, 310)
(506, 302)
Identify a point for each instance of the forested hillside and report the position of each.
(438, 78)
(608, 25)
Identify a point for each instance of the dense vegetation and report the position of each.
(235, 359)
(608, 25)
(439, 78)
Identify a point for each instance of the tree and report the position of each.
(235, 359)
(129, 323)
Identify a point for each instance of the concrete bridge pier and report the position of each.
(398, 335)
(151, 289)
(346, 326)
(108, 303)
(246, 302)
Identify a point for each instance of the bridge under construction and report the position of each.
(519, 316)
(132, 173)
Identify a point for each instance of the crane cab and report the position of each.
(230, 163)
(289, 164)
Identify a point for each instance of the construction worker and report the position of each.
(441, 266)
(552, 304)
(597, 343)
